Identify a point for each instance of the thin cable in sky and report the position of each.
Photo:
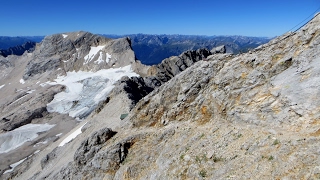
(305, 19)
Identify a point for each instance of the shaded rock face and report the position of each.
(170, 67)
(138, 87)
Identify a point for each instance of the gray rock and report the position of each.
(91, 146)
(220, 49)
(70, 53)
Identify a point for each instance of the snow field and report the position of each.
(84, 90)
(92, 53)
(13, 139)
(72, 136)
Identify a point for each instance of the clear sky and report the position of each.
(267, 18)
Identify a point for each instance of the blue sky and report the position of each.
(267, 18)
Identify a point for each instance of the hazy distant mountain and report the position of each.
(152, 49)
(19, 49)
(8, 42)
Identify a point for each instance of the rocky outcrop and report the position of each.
(91, 146)
(220, 49)
(170, 67)
(138, 87)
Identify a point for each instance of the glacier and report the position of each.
(84, 90)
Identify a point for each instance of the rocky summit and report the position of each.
(81, 106)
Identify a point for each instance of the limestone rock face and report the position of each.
(79, 51)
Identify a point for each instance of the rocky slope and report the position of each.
(250, 116)
(67, 77)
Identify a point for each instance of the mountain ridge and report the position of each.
(199, 115)
(152, 49)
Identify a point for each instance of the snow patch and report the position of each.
(92, 53)
(2, 86)
(100, 58)
(36, 152)
(12, 166)
(13, 139)
(44, 84)
(31, 91)
(84, 90)
(22, 81)
(72, 136)
(18, 99)
(40, 143)
(108, 57)
(64, 35)
(58, 134)
(38, 82)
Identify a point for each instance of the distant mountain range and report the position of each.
(8, 42)
(18, 45)
(152, 49)
(19, 49)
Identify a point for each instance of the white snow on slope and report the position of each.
(22, 81)
(2, 86)
(108, 57)
(84, 90)
(72, 136)
(64, 35)
(13, 139)
(100, 60)
(12, 166)
(31, 91)
(92, 53)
